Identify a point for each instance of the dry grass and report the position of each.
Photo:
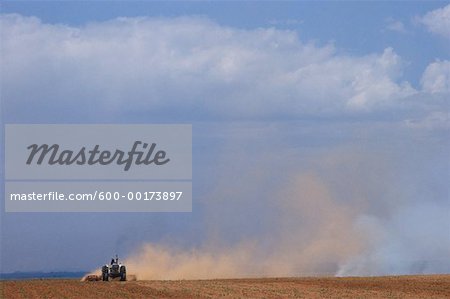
(428, 286)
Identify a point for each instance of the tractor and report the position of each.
(114, 270)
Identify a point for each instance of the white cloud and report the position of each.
(191, 64)
(395, 25)
(438, 21)
(436, 77)
(374, 85)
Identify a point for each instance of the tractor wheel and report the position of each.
(105, 274)
(123, 273)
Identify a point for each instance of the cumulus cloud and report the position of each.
(436, 77)
(438, 21)
(190, 66)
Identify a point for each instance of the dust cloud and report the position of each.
(312, 235)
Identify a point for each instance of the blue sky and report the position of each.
(304, 114)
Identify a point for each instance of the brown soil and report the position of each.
(427, 286)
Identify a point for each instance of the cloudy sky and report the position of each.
(320, 130)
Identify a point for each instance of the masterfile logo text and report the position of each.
(53, 155)
(120, 152)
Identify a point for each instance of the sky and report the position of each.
(320, 132)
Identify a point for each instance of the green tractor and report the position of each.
(114, 270)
